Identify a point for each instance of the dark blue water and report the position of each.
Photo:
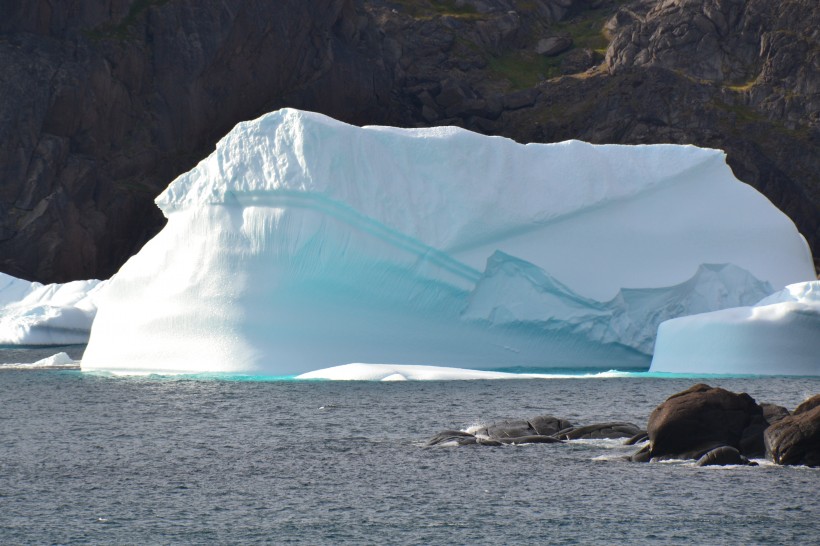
(91, 459)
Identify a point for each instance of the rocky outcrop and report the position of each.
(544, 425)
(718, 427)
(544, 429)
(795, 440)
(709, 425)
(105, 102)
(693, 422)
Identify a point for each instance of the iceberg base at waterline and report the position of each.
(303, 243)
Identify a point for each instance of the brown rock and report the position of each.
(697, 420)
(807, 405)
(795, 440)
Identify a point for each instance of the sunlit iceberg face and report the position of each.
(303, 243)
(54, 314)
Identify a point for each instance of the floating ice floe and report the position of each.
(54, 314)
(59, 361)
(408, 372)
(778, 335)
(303, 243)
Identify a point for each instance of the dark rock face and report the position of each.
(697, 420)
(751, 443)
(722, 456)
(105, 102)
(795, 440)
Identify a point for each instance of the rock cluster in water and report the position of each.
(544, 429)
(710, 425)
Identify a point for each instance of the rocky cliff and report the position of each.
(105, 102)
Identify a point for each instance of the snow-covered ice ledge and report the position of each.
(303, 243)
(780, 335)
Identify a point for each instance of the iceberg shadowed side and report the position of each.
(779, 335)
(303, 243)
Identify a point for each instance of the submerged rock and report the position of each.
(641, 436)
(533, 439)
(722, 456)
(538, 430)
(452, 437)
(601, 431)
(543, 425)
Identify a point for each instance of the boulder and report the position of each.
(795, 440)
(722, 456)
(578, 60)
(807, 405)
(690, 423)
(553, 45)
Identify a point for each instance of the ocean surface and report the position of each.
(93, 459)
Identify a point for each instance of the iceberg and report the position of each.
(54, 314)
(780, 335)
(302, 243)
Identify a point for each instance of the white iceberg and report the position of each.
(780, 335)
(303, 243)
(53, 314)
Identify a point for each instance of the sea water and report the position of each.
(142, 460)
